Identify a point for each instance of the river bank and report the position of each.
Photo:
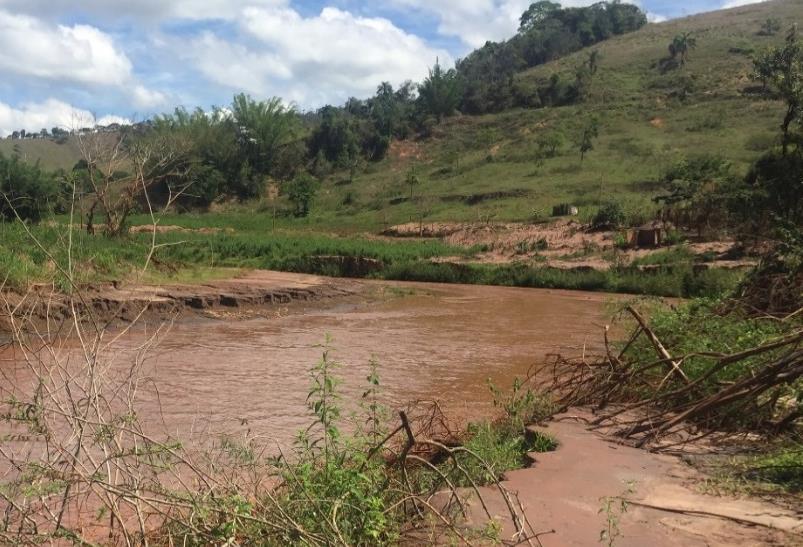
(594, 484)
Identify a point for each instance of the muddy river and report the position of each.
(440, 342)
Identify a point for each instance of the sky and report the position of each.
(71, 63)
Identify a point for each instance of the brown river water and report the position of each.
(432, 342)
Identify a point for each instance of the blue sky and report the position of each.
(72, 62)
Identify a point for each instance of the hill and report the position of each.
(50, 154)
(493, 165)
(487, 166)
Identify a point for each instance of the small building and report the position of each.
(565, 210)
(649, 236)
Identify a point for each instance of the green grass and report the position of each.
(192, 256)
(699, 327)
(50, 154)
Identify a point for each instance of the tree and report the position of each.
(549, 144)
(770, 27)
(585, 76)
(122, 170)
(681, 46)
(592, 62)
(412, 180)
(782, 67)
(536, 14)
(441, 92)
(301, 192)
(265, 128)
(585, 142)
(26, 191)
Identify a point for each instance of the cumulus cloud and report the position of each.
(48, 114)
(313, 60)
(79, 53)
(154, 10)
(473, 21)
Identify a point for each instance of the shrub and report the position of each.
(25, 190)
(301, 191)
(610, 216)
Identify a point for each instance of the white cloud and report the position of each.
(48, 114)
(313, 60)
(79, 53)
(146, 98)
(473, 21)
(155, 10)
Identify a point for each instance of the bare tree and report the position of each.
(121, 170)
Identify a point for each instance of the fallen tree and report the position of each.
(754, 389)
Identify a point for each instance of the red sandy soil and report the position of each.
(255, 290)
(565, 491)
(569, 243)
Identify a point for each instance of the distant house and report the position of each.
(649, 236)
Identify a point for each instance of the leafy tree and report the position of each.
(698, 192)
(782, 68)
(412, 180)
(682, 45)
(25, 190)
(592, 62)
(536, 14)
(264, 128)
(610, 216)
(770, 27)
(585, 75)
(441, 92)
(549, 144)
(216, 164)
(336, 137)
(585, 142)
(301, 192)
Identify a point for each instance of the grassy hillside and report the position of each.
(476, 167)
(50, 154)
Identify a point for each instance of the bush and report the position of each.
(301, 191)
(26, 190)
(610, 216)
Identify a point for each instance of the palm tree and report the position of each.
(681, 46)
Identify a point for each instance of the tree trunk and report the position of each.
(791, 114)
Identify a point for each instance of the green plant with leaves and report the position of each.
(265, 129)
(301, 193)
(412, 180)
(26, 191)
(681, 47)
(441, 92)
(770, 27)
(588, 134)
(782, 69)
(610, 216)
